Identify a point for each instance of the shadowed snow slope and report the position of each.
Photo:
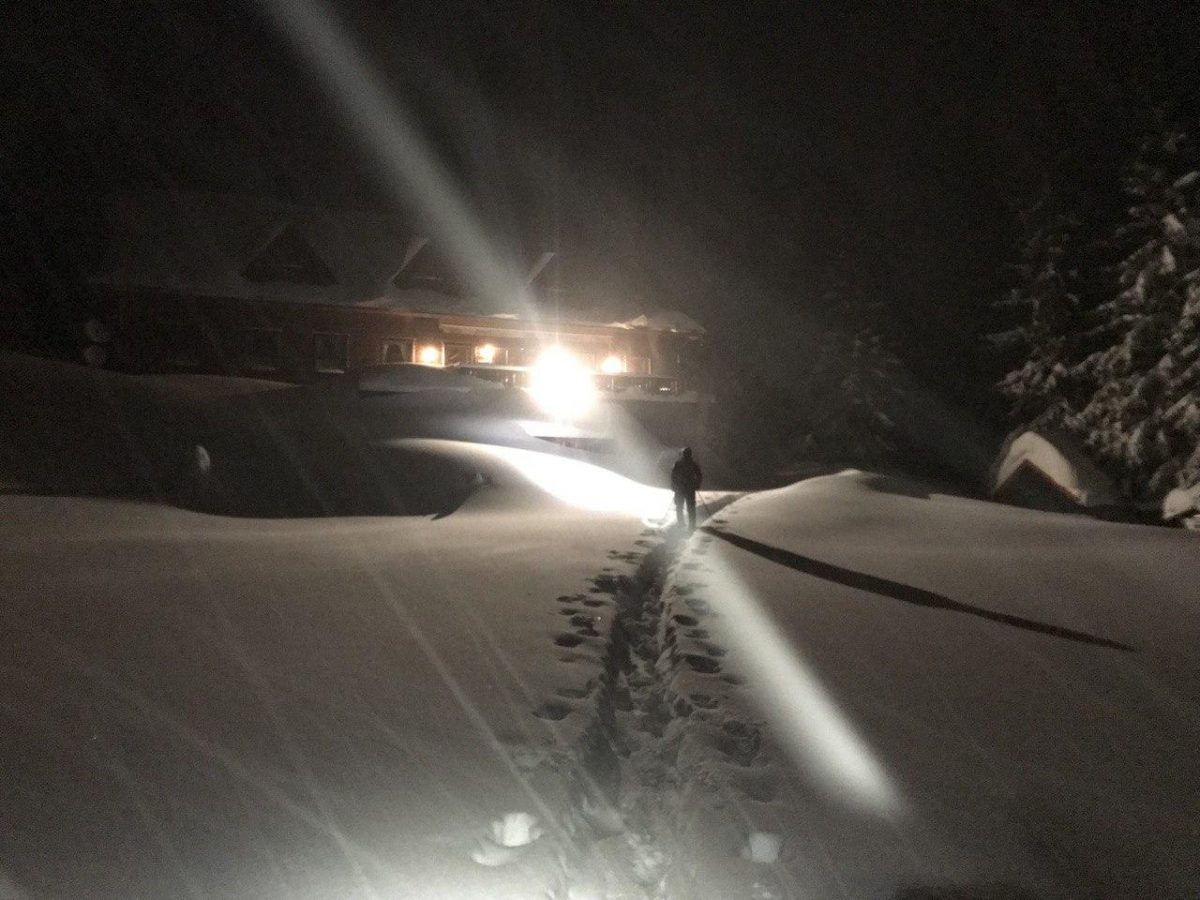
(1024, 684)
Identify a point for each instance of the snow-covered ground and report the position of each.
(934, 693)
(335, 707)
(528, 688)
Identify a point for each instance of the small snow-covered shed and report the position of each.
(1182, 507)
(1047, 469)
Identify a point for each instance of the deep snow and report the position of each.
(526, 687)
(216, 707)
(946, 705)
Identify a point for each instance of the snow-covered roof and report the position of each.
(215, 245)
(1181, 502)
(1058, 459)
(664, 320)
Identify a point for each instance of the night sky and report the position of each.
(720, 159)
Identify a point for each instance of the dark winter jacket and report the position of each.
(685, 475)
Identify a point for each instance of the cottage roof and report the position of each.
(1059, 460)
(227, 245)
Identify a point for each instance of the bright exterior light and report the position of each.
(561, 384)
(429, 355)
(486, 354)
(612, 365)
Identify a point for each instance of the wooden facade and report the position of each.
(302, 342)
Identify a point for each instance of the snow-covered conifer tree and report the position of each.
(1142, 420)
(855, 382)
(1043, 309)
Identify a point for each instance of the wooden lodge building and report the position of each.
(226, 284)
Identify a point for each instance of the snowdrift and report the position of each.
(919, 693)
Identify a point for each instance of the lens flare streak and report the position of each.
(812, 729)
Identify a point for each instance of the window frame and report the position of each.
(408, 350)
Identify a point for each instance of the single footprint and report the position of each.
(685, 621)
(568, 611)
(515, 829)
(487, 853)
(703, 701)
(505, 839)
(762, 847)
(574, 693)
(553, 710)
(581, 619)
(563, 598)
(704, 664)
(740, 742)
(568, 640)
(714, 650)
(592, 602)
(699, 634)
(605, 584)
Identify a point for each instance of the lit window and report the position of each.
(457, 354)
(612, 365)
(485, 354)
(429, 355)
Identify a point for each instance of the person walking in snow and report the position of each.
(685, 481)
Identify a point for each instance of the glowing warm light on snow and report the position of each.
(561, 384)
(585, 486)
(486, 354)
(429, 355)
(612, 365)
(810, 726)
